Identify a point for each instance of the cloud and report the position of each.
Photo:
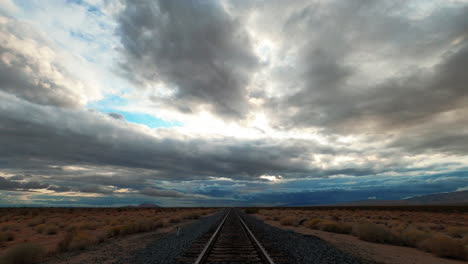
(95, 189)
(117, 116)
(59, 188)
(279, 102)
(337, 89)
(7, 184)
(197, 50)
(30, 68)
(168, 193)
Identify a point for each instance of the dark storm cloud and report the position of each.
(326, 97)
(194, 47)
(7, 184)
(34, 137)
(59, 188)
(117, 116)
(167, 193)
(28, 68)
(95, 189)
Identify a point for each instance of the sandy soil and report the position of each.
(380, 253)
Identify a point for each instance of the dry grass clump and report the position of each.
(6, 236)
(192, 215)
(412, 236)
(251, 210)
(375, 233)
(36, 221)
(289, 221)
(51, 229)
(40, 228)
(175, 219)
(23, 254)
(76, 240)
(457, 231)
(312, 223)
(444, 246)
(335, 227)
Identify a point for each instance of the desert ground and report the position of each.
(40, 233)
(381, 234)
(439, 230)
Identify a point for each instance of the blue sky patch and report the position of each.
(111, 103)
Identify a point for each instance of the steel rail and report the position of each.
(209, 245)
(266, 257)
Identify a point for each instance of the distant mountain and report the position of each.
(460, 197)
(451, 198)
(144, 205)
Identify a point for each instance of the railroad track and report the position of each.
(231, 243)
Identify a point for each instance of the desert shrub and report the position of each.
(192, 215)
(276, 218)
(23, 254)
(11, 227)
(81, 240)
(413, 236)
(64, 244)
(88, 226)
(335, 227)
(36, 221)
(464, 241)
(289, 221)
(251, 210)
(375, 233)
(444, 246)
(51, 229)
(114, 231)
(101, 237)
(312, 223)
(174, 219)
(457, 231)
(40, 228)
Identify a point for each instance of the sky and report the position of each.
(231, 102)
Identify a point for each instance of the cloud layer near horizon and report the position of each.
(300, 100)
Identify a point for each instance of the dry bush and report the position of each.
(335, 227)
(251, 210)
(40, 228)
(375, 233)
(76, 240)
(192, 215)
(88, 226)
(64, 244)
(444, 246)
(23, 254)
(81, 240)
(175, 219)
(312, 223)
(51, 229)
(457, 231)
(413, 236)
(289, 221)
(114, 231)
(36, 221)
(6, 236)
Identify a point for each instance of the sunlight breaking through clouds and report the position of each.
(231, 102)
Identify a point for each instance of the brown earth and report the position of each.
(380, 253)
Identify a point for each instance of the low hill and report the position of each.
(144, 205)
(450, 198)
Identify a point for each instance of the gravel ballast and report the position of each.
(168, 248)
(299, 248)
